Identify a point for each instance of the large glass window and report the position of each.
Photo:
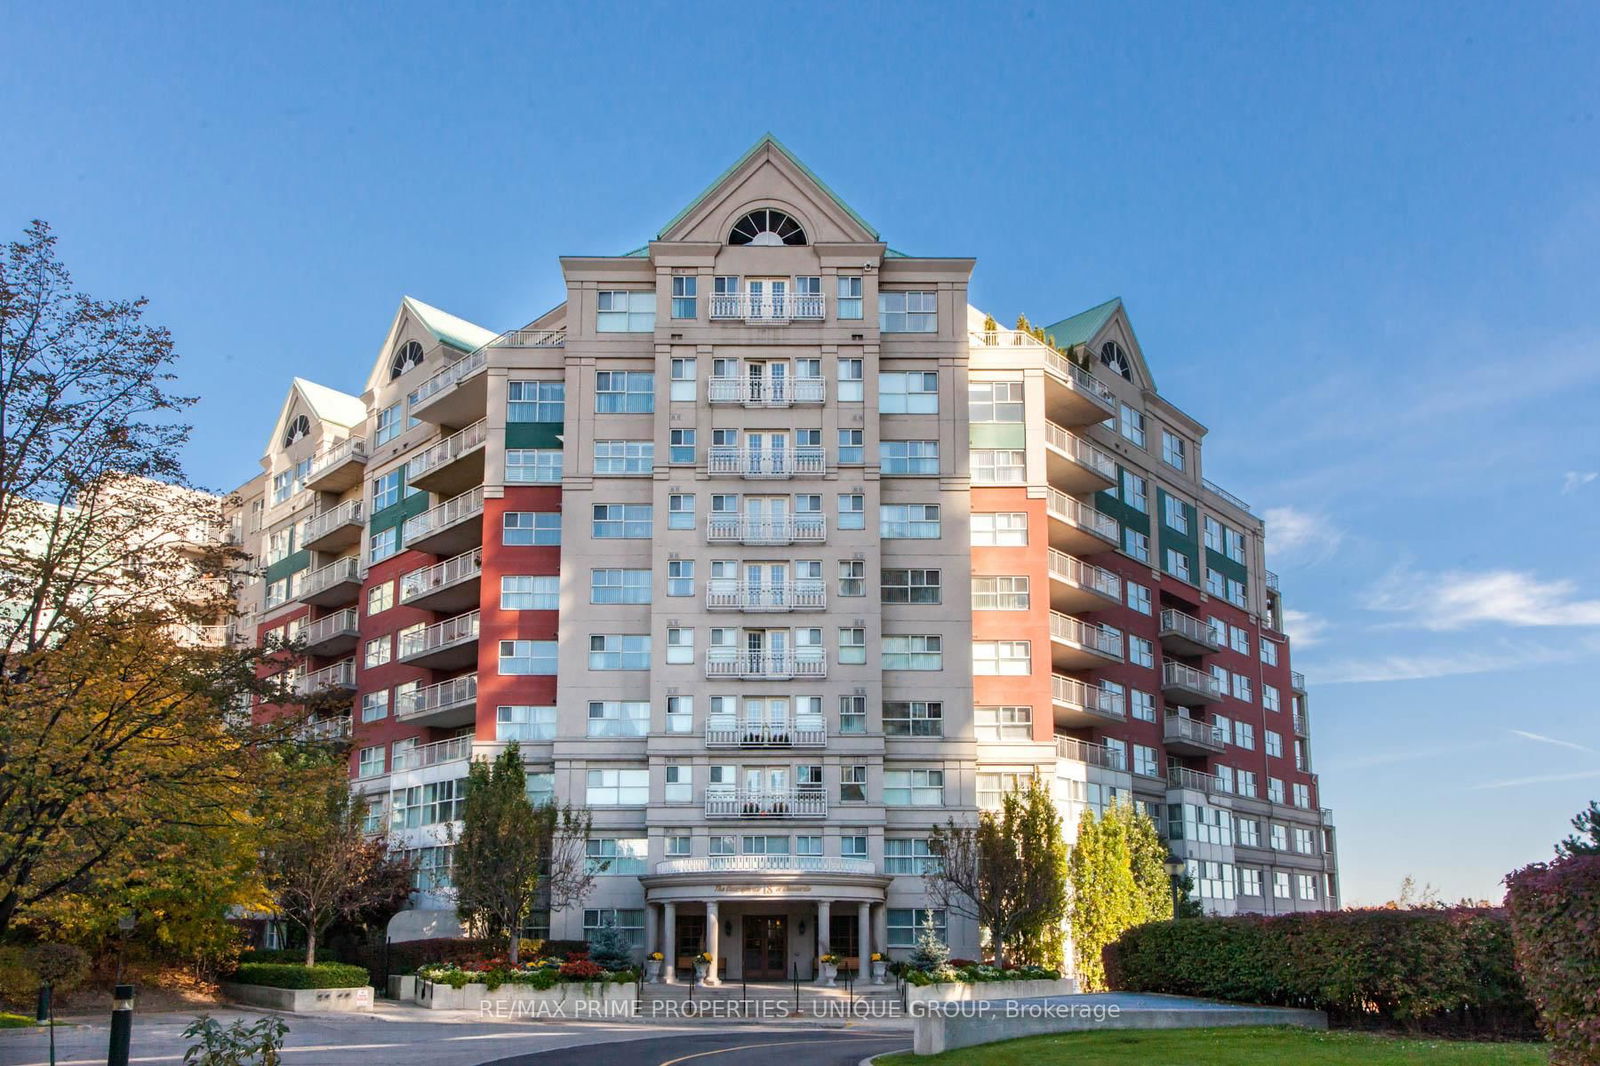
(386, 489)
(524, 657)
(909, 856)
(1000, 528)
(999, 466)
(913, 788)
(910, 586)
(909, 521)
(624, 456)
(518, 722)
(520, 528)
(625, 312)
(849, 289)
(1008, 593)
(913, 652)
(684, 287)
(908, 392)
(1003, 723)
(624, 391)
(617, 788)
(533, 466)
(619, 718)
(994, 401)
(611, 585)
(908, 312)
(621, 520)
(535, 401)
(529, 592)
(1002, 657)
(619, 651)
(614, 857)
(905, 925)
(914, 718)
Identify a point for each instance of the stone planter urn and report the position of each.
(880, 971)
(827, 972)
(700, 971)
(652, 970)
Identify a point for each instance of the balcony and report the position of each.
(453, 526)
(788, 529)
(336, 585)
(1092, 754)
(453, 465)
(1185, 684)
(724, 731)
(447, 645)
(334, 728)
(339, 468)
(1179, 777)
(1302, 728)
(1189, 736)
(456, 749)
(1272, 580)
(767, 309)
(335, 530)
(1297, 681)
(340, 677)
(762, 666)
(1081, 706)
(728, 460)
(1077, 527)
(448, 586)
(456, 395)
(1074, 465)
(766, 803)
(334, 634)
(1080, 645)
(1073, 396)
(449, 703)
(811, 864)
(1079, 586)
(796, 596)
(766, 391)
(1227, 497)
(1184, 634)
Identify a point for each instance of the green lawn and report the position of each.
(15, 1021)
(1228, 1047)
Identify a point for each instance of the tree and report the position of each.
(1586, 841)
(931, 952)
(1008, 873)
(322, 867)
(1105, 899)
(1147, 856)
(609, 947)
(509, 854)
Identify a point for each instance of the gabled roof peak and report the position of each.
(1079, 328)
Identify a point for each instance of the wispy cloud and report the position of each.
(1303, 628)
(1402, 755)
(1301, 535)
(1454, 663)
(1540, 738)
(1541, 779)
(1577, 479)
(1458, 599)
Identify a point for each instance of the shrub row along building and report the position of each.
(772, 553)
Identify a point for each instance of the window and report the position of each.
(380, 598)
(528, 592)
(420, 805)
(1236, 593)
(852, 784)
(913, 788)
(1141, 652)
(1247, 784)
(1131, 423)
(1145, 761)
(1135, 492)
(619, 718)
(533, 466)
(852, 715)
(852, 647)
(852, 511)
(1000, 593)
(851, 449)
(1244, 735)
(1141, 705)
(386, 489)
(911, 856)
(1269, 698)
(624, 391)
(1235, 544)
(370, 761)
(908, 312)
(910, 586)
(1249, 832)
(1224, 777)
(683, 296)
(377, 651)
(1222, 728)
(1172, 450)
(997, 657)
(680, 447)
(1280, 885)
(1302, 841)
(530, 527)
(1177, 516)
(374, 705)
(679, 784)
(521, 657)
(852, 845)
(1213, 533)
(385, 542)
(678, 845)
(1238, 639)
(624, 456)
(625, 312)
(1302, 796)
(1003, 723)
(609, 585)
(1136, 544)
(1138, 597)
(852, 577)
(904, 392)
(851, 388)
(1269, 651)
(1275, 791)
(766, 226)
(849, 295)
(524, 723)
(994, 401)
(680, 714)
(680, 646)
(536, 401)
(1249, 881)
(619, 651)
(389, 425)
(680, 577)
(614, 857)
(908, 457)
(1274, 744)
(1000, 528)
(909, 521)
(913, 719)
(1306, 887)
(921, 652)
(999, 466)
(617, 788)
(622, 520)
(680, 510)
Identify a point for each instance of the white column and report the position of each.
(650, 928)
(713, 929)
(669, 947)
(880, 927)
(864, 940)
(824, 931)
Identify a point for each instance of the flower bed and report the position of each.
(975, 981)
(576, 987)
(976, 973)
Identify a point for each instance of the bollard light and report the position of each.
(121, 1026)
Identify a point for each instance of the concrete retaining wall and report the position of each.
(972, 991)
(300, 1000)
(562, 1001)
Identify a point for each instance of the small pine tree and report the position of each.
(609, 947)
(931, 952)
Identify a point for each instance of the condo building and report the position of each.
(772, 553)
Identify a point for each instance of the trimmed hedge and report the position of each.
(1555, 918)
(1446, 971)
(288, 975)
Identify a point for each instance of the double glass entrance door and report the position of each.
(766, 947)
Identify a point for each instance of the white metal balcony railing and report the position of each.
(766, 803)
(341, 674)
(762, 665)
(1179, 777)
(820, 864)
(351, 449)
(1302, 728)
(422, 756)
(731, 459)
(1187, 625)
(1092, 754)
(448, 450)
(1191, 730)
(1080, 451)
(327, 728)
(196, 635)
(768, 307)
(321, 525)
(1083, 516)
(1095, 637)
(1223, 494)
(1272, 580)
(462, 627)
(1177, 675)
(1071, 692)
(329, 626)
(789, 529)
(1297, 680)
(449, 377)
(459, 568)
(766, 391)
(448, 513)
(724, 731)
(1054, 361)
(444, 695)
(796, 596)
(336, 572)
(1075, 571)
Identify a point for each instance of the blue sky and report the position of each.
(1358, 243)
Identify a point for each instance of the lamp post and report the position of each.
(124, 926)
(1174, 868)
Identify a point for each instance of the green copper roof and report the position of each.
(768, 139)
(456, 332)
(1083, 325)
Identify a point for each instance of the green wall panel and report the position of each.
(289, 564)
(533, 434)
